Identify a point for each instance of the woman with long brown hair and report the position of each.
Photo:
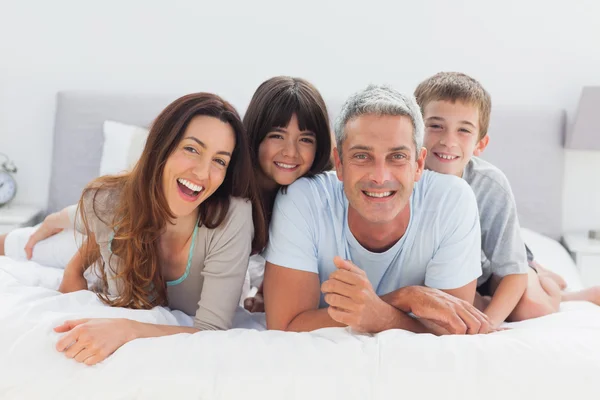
(177, 231)
(289, 137)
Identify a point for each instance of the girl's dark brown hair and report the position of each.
(272, 106)
(139, 212)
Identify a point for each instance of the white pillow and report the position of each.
(123, 145)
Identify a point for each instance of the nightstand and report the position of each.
(14, 216)
(586, 253)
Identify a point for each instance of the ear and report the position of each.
(338, 163)
(480, 147)
(420, 163)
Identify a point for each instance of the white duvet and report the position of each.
(555, 357)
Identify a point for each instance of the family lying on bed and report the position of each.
(383, 242)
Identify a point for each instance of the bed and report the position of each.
(553, 357)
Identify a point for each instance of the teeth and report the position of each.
(446, 157)
(190, 185)
(288, 166)
(380, 195)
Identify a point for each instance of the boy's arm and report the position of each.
(503, 246)
(505, 299)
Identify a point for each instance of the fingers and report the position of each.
(95, 359)
(84, 354)
(29, 246)
(249, 303)
(341, 316)
(258, 304)
(341, 302)
(485, 324)
(473, 324)
(74, 349)
(346, 265)
(452, 323)
(348, 277)
(68, 325)
(339, 287)
(255, 304)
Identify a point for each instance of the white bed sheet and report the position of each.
(554, 357)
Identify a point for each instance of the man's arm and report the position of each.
(292, 304)
(292, 300)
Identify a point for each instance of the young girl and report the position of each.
(289, 135)
(176, 231)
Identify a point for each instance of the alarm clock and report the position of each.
(8, 185)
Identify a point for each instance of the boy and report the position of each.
(456, 110)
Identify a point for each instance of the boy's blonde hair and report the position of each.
(453, 86)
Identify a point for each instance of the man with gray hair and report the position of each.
(380, 240)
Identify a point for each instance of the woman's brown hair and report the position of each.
(139, 211)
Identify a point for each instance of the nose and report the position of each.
(448, 139)
(201, 169)
(289, 149)
(380, 173)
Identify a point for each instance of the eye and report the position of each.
(308, 140)
(275, 136)
(435, 126)
(221, 162)
(190, 149)
(360, 156)
(466, 131)
(398, 156)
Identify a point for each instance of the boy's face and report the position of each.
(451, 136)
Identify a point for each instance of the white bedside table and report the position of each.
(586, 253)
(14, 216)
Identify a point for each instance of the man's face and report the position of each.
(451, 136)
(378, 165)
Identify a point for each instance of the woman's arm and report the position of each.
(225, 268)
(73, 279)
(90, 341)
(53, 224)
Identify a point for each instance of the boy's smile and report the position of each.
(451, 136)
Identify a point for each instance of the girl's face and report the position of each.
(286, 154)
(197, 166)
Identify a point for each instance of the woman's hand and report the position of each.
(90, 341)
(52, 225)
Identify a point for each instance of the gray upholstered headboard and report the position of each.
(78, 136)
(525, 142)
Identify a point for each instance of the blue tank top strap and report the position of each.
(189, 260)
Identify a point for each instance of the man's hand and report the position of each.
(353, 301)
(454, 315)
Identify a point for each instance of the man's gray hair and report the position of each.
(380, 100)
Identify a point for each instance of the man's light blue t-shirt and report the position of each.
(440, 249)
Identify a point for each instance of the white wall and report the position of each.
(525, 52)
